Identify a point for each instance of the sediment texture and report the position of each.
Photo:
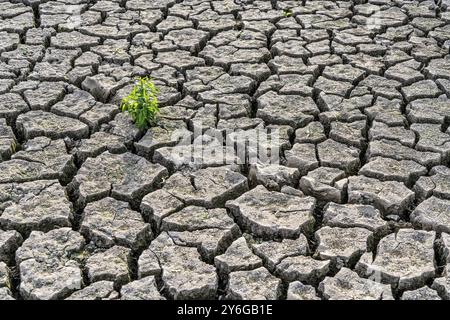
(358, 207)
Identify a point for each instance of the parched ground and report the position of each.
(357, 92)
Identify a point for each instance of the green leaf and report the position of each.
(142, 103)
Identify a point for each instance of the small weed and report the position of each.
(80, 257)
(118, 51)
(14, 146)
(205, 215)
(142, 103)
(287, 13)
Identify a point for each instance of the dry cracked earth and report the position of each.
(357, 208)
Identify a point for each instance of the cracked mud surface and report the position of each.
(357, 208)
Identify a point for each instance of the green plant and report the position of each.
(287, 13)
(142, 103)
